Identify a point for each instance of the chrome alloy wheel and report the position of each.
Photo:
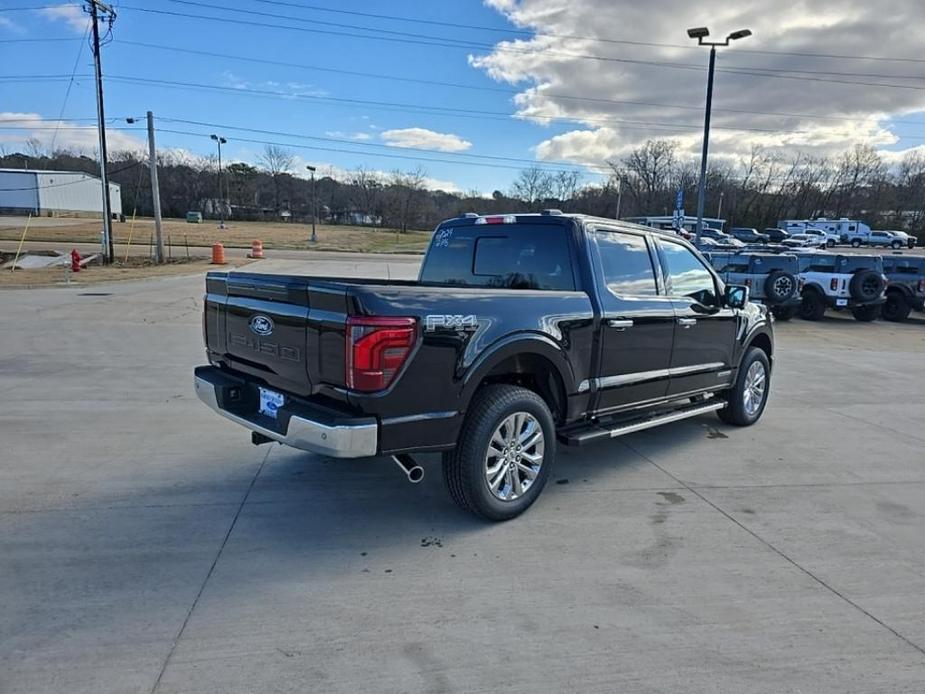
(756, 380)
(515, 456)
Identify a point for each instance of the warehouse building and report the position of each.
(55, 193)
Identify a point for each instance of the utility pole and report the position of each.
(221, 201)
(619, 197)
(314, 206)
(155, 191)
(94, 7)
(155, 188)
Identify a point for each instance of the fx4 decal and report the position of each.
(450, 322)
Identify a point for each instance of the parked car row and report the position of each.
(806, 285)
(807, 237)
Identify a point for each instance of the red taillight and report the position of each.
(376, 348)
(833, 285)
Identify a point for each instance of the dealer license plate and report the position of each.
(270, 402)
(841, 302)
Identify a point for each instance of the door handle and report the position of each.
(686, 323)
(619, 324)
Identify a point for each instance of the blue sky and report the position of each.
(818, 94)
(364, 123)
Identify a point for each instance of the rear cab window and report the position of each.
(626, 263)
(505, 256)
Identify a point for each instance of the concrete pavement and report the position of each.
(147, 546)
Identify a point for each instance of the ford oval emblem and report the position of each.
(262, 325)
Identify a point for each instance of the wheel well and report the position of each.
(536, 373)
(762, 342)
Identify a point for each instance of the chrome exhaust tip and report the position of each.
(412, 470)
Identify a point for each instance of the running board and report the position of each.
(598, 431)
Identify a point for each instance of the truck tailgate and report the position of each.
(285, 330)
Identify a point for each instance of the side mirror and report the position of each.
(736, 296)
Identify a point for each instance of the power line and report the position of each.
(372, 154)
(225, 126)
(507, 48)
(499, 90)
(70, 84)
(446, 42)
(531, 34)
(438, 110)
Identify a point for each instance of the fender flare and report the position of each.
(534, 344)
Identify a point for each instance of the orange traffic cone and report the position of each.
(256, 248)
(218, 254)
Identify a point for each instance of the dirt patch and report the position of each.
(135, 268)
(236, 235)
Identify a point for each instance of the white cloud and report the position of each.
(76, 137)
(10, 25)
(622, 104)
(289, 90)
(421, 138)
(72, 15)
(340, 135)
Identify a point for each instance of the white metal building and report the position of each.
(52, 193)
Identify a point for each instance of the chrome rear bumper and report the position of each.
(336, 437)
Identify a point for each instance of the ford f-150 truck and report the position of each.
(522, 332)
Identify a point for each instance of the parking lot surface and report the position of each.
(147, 546)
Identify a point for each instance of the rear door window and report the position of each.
(626, 264)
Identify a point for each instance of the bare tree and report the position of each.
(532, 186)
(277, 162)
(366, 191)
(646, 173)
(404, 196)
(566, 185)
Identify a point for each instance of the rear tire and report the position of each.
(830, 243)
(487, 474)
(856, 244)
(865, 313)
(748, 397)
(784, 313)
(813, 306)
(896, 308)
(897, 245)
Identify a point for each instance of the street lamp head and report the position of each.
(311, 168)
(214, 137)
(698, 32)
(740, 34)
(223, 140)
(129, 120)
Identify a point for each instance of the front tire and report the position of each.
(504, 453)
(748, 397)
(897, 245)
(856, 244)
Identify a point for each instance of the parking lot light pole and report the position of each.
(314, 206)
(221, 203)
(700, 33)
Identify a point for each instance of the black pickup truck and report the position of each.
(522, 331)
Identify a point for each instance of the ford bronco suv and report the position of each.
(855, 282)
(905, 288)
(771, 279)
(522, 332)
